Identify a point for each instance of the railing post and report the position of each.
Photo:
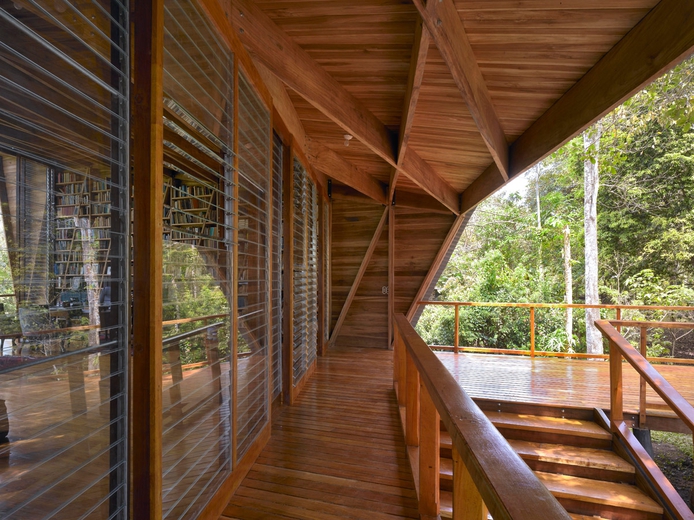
(456, 341)
(429, 457)
(616, 402)
(412, 408)
(642, 383)
(467, 501)
(402, 372)
(619, 317)
(532, 332)
(396, 354)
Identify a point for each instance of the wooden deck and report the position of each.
(338, 452)
(552, 381)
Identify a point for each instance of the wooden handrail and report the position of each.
(505, 483)
(653, 324)
(621, 347)
(532, 352)
(194, 319)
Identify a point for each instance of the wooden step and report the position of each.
(574, 460)
(555, 430)
(446, 504)
(446, 474)
(445, 446)
(587, 496)
(584, 517)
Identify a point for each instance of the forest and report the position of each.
(520, 243)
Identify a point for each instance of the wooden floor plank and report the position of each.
(568, 382)
(338, 452)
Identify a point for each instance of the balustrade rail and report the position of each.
(621, 349)
(488, 475)
(532, 307)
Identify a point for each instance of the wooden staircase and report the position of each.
(571, 455)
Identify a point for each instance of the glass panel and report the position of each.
(64, 258)
(305, 272)
(277, 165)
(253, 266)
(198, 260)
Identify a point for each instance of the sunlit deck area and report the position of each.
(556, 382)
(339, 452)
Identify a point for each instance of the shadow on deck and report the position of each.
(339, 452)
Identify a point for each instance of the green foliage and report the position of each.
(645, 232)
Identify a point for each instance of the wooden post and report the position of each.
(616, 403)
(467, 501)
(391, 273)
(148, 157)
(429, 457)
(412, 406)
(456, 341)
(532, 332)
(618, 315)
(642, 383)
(396, 354)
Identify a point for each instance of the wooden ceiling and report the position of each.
(456, 96)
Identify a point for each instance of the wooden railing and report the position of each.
(487, 472)
(621, 349)
(531, 321)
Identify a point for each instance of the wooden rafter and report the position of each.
(662, 38)
(319, 156)
(420, 49)
(333, 164)
(461, 220)
(357, 280)
(448, 32)
(295, 67)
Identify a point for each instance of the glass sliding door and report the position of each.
(64, 258)
(198, 289)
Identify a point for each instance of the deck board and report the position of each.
(338, 452)
(552, 381)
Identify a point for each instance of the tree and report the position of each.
(591, 143)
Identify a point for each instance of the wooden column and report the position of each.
(412, 399)
(148, 154)
(467, 501)
(391, 272)
(429, 457)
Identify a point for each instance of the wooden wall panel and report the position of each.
(353, 226)
(418, 237)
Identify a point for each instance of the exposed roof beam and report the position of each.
(448, 32)
(420, 49)
(422, 174)
(403, 199)
(663, 38)
(334, 165)
(292, 65)
(319, 156)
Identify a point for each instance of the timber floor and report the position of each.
(553, 381)
(338, 452)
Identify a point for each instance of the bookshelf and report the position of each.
(82, 232)
(190, 212)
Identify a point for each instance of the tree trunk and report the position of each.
(568, 288)
(591, 143)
